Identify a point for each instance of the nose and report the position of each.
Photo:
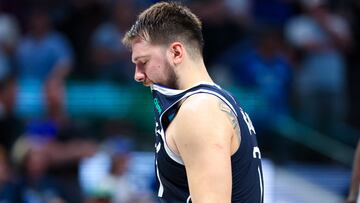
(139, 75)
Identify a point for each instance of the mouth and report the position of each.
(147, 83)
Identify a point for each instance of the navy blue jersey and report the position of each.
(247, 181)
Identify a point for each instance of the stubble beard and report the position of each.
(172, 78)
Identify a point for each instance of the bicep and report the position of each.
(203, 140)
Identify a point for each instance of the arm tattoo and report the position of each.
(233, 119)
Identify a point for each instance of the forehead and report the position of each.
(141, 47)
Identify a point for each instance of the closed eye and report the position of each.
(140, 59)
(141, 64)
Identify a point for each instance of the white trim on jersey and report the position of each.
(261, 186)
(169, 152)
(161, 187)
(188, 199)
(173, 156)
(166, 91)
(171, 92)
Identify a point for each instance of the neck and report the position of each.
(192, 73)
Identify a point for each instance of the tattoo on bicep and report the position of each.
(235, 124)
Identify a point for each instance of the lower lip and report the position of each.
(147, 83)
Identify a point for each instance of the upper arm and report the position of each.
(203, 138)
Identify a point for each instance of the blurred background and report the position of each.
(74, 126)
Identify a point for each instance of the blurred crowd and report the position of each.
(300, 56)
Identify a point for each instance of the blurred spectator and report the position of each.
(221, 26)
(106, 177)
(7, 187)
(110, 56)
(62, 158)
(67, 129)
(260, 65)
(43, 53)
(54, 101)
(320, 82)
(67, 143)
(10, 125)
(9, 35)
(69, 136)
(35, 185)
(268, 70)
(121, 187)
(78, 20)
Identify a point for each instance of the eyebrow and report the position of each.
(138, 57)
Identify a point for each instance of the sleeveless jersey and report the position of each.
(247, 181)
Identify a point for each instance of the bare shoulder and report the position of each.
(205, 118)
(207, 107)
(203, 106)
(201, 113)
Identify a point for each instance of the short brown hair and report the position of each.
(167, 22)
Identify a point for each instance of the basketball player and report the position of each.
(206, 148)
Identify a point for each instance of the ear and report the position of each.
(177, 51)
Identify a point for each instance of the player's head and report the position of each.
(161, 38)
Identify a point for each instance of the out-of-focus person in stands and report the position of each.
(32, 159)
(259, 66)
(11, 126)
(118, 184)
(43, 52)
(71, 137)
(9, 36)
(224, 22)
(7, 186)
(67, 142)
(109, 54)
(322, 36)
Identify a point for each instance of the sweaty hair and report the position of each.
(167, 22)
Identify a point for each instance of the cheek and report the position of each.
(156, 70)
(158, 73)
